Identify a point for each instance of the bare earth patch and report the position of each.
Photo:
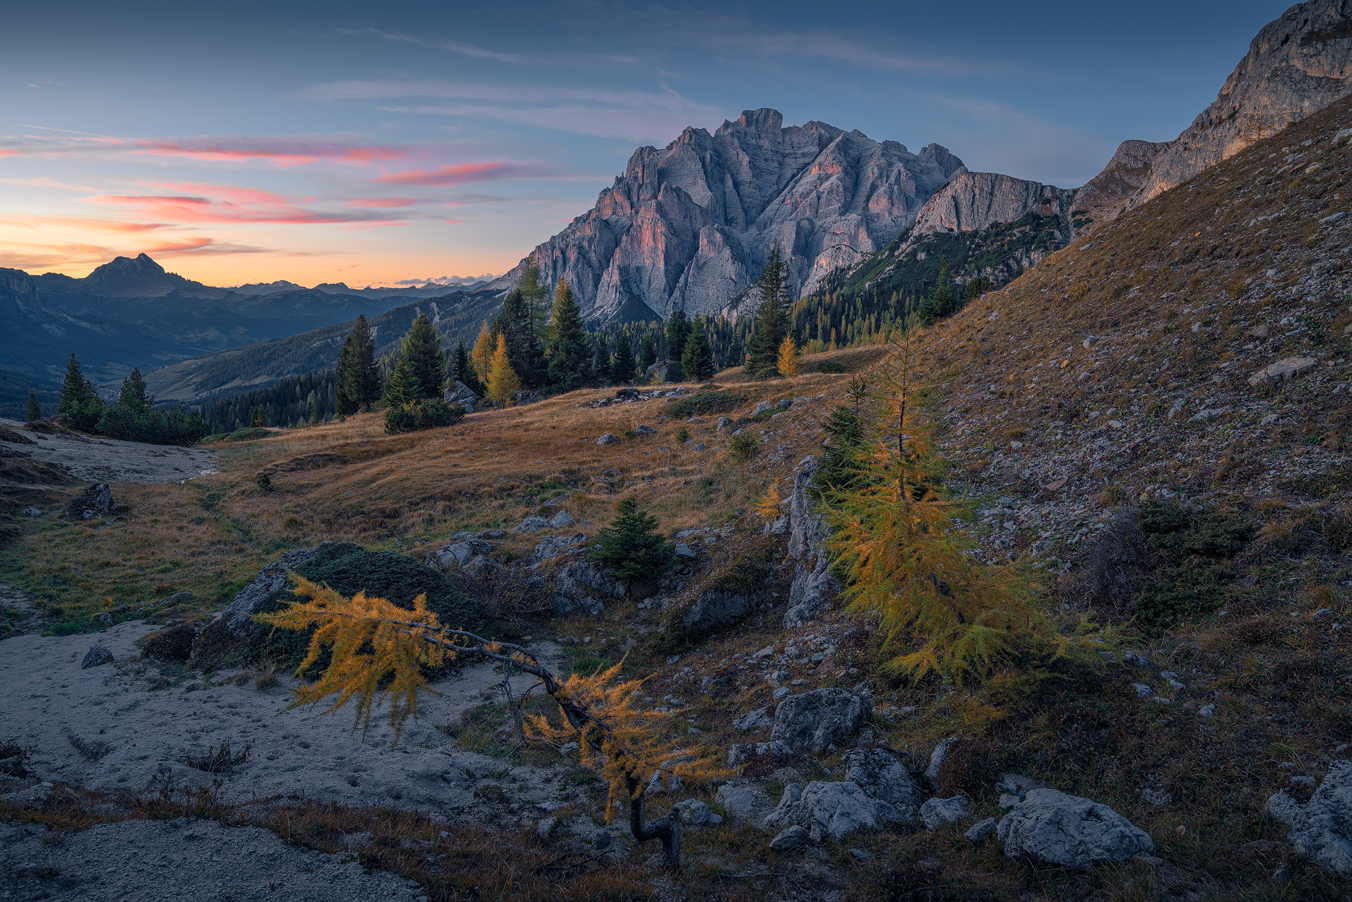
(110, 460)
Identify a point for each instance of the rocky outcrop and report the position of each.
(236, 621)
(94, 502)
(816, 720)
(883, 775)
(689, 226)
(583, 587)
(813, 585)
(973, 201)
(1050, 827)
(1321, 829)
(1296, 65)
(830, 809)
(461, 394)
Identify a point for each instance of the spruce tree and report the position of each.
(260, 417)
(647, 354)
(516, 322)
(400, 388)
(462, 371)
(568, 349)
(357, 382)
(600, 357)
(678, 329)
(344, 388)
(80, 407)
(622, 370)
(772, 319)
(631, 545)
(422, 350)
(133, 396)
(34, 410)
(697, 361)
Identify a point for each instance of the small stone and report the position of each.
(723, 423)
(1134, 660)
(601, 841)
(777, 678)
(1287, 368)
(32, 512)
(737, 801)
(1207, 711)
(568, 748)
(782, 692)
(561, 520)
(697, 814)
(645, 430)
(606, 439)
(1336, 217)
(938, 812)
(790, 839)
(699, 446)
(1262, 331)
(95, 657)
(861, 854)
(980, 830)
(546, 827)
(1142, 690)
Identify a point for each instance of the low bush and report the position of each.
(415, 416)
(831, 366)
(744, 447)
(705, 402)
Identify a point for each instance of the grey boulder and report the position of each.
(830, 809)
(758, 719)
(884, 776)
(813, 585)
(95, 657)
(815, 720)
(237, 619)
(606, 439)
(1321, 829)
(935, 813)
(697, 814)
(718, 607)
(531, 524)
(1051, 827)
(789, 839)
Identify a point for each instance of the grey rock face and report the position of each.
(697, 814)
(582, 586)
(95, 657)
(813, 585)
(834, 809)
(689, 226)
(978, 200)
(1321, 829)
(1051, 827)
(532, 524)
(462, 552)
(935, 813)
(461, 394)
(740, 754)
(553, 546)
(758, 719)
(737, 801)
(718, 607)
(1296, 65)
(814, 720)
(883, 775)
(270, 583)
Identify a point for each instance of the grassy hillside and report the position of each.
(1099, 412)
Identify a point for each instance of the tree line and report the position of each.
(133, 417)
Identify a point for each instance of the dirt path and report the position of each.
(110, 460)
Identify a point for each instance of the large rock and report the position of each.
(95, 501)
(815, 720)
(718, 607)
(237, 619)
(462, 551)
(461, 394)
(830, 809)
(1051, 827)
(1286, 368)
(936, 813)
(582, 586)
(883, 775)
(549, 548)
(689, 227)
(1321, 829)
(813, 585)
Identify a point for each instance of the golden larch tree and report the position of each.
(481, 358)
(787, 362)
(502, 379)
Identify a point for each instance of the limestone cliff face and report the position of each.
(973, 201)
(1296, 66)
(690, 226)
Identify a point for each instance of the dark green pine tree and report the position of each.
(736, 354)
(631, 546)
(34, 410)
(134, 397)
(647, 354)
(600, 358)
(80, 407)
(622, 370)
(772, 319)
(678, 329)
(426, 368)
(357, 384)
(462, 371)
(569, 354)
(400, 388)
(516, 323)
(697, 361)
(941, 302)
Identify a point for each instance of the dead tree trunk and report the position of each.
(666, 828)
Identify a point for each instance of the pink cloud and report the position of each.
(200, 210)
(455, 222)
(470, 173)
(382, 203)
(280, 151)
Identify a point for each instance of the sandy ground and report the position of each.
(139, 861)
(105, 728)
(109, 460)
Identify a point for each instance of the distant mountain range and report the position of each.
(132, 313)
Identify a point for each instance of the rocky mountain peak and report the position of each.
(690, 226)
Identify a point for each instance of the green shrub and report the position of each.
(415, 416)
(744, 447)
(247, 434)
(1195, 546)
(682, 435)
(705, 402)
(631, 546)
(831, 366)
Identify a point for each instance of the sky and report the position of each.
(398, 143)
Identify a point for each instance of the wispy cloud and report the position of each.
(279, 150)
(253, 207)
(633, 115)
(472, 173)
(454, 47)
(382, 203)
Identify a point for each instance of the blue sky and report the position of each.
(378, 143)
